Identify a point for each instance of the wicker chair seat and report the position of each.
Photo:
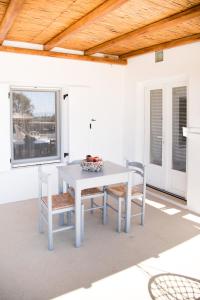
(119, 190)
(89, 192)
(64, 200)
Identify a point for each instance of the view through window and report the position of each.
(35, 125)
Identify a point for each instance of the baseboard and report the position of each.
(166, 192)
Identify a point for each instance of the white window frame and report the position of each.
(38, 160)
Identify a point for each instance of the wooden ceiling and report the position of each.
(117, 29)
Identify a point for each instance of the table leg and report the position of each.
(78, 216)
(105, 200)
(60, 191)
(69, 213)
(128, 204)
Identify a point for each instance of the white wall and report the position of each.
(117, 101)
(179, 63)
(105, 83)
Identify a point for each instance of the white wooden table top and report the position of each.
(109, 168)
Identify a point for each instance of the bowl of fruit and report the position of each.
(92, 164)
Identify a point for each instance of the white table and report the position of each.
(79, 180)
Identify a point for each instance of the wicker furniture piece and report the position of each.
(174, 287)
(52, 205)
(138, 193)
(91, 166)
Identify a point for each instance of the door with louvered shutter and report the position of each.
(154, 138)
(179, 120)
(165, 145)
(178, 143)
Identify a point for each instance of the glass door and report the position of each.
(176, 174)
(154, 137)
(179, 120)
(165, 145)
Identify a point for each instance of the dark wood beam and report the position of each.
(92, 16)
(11, 14)
(165, 23)
(162, 46)
(63, 55)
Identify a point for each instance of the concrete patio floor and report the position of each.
(108, 266)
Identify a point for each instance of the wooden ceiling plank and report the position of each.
(11, 14)
(165, 23)
(162, 46)
(92, 16)
(63, 55)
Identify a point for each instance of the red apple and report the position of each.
(90, 159)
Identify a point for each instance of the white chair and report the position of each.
(92, 194)
(138, 194)
(52, 205)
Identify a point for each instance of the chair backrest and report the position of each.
(138, 168)
(45, 178)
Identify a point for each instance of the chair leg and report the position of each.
(61, 219)
(105, 197)
(91, 205)
(50, 231)
(69, 218)
(82, 222)
(143, 210)
(41, 225)
(119, 215)
(41, 222)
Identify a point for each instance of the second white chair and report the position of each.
(138, 194)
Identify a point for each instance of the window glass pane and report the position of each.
(156, 127)
(179, 120)
(34, 124)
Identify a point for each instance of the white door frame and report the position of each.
(168, 173)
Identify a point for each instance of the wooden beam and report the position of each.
(89, 18)
(11, 14)
(165, 23)
(162, 46)
(63, 55)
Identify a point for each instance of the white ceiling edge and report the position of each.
(23, 45)
(67, 51)
(104, 55)
(33, 46)
(39, 47)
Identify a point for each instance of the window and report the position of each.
(35, 126)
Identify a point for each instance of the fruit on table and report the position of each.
(90, 158)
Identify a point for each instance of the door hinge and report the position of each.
(65, 96)
(8, 94)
